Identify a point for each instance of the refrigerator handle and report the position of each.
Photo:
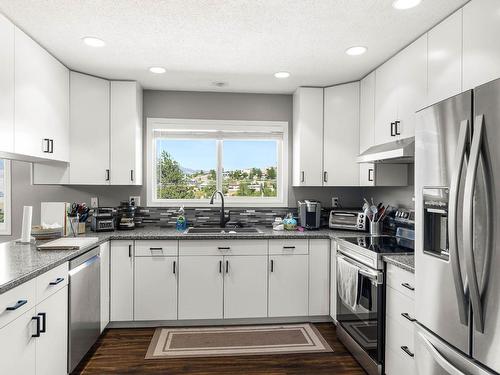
(478, 151)
(438, 357)
(461, 155)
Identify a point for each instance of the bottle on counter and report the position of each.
(181, 222)
(290, 222)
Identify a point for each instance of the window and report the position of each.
(5, 197)
(190, 159)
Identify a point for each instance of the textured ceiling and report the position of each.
(241, 42)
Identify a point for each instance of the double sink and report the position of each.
(198, 230)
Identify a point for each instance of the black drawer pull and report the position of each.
(272, 265)
(156, 248)
(173, 267)
(130, 251)
(37, 318)
(224, 248)
(18, 304)
(44, 322)
(220, 266)
(407, 316)
(289, 247)
(57, 281)
(407, 351)
(407, 286)
(227, 266)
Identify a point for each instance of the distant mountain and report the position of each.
(188, 170)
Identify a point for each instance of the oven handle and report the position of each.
(377, 277)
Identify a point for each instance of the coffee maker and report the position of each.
(309, 214)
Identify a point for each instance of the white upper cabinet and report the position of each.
(126, 133)
(481, 50)
(386, 101)
(308, 136)
(445, 59)
(367, 112)
(89, 130)
(341, 135)
(41, 102)
(6, 85)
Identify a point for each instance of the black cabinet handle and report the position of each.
(272, 265)
(220, 266)
(107, 175)
(407, 351)
(227, 266)
(393, 132)
(224, 248)
(18, 304)
(44, 322)
(302, 176)
(289, 247)
(396, 128)
(173, 267)
(407, 316)
(130, 251)
(57, 281)
(407, 286)
(46, 145)
(51, 141)
(325, 176)
(37, 318)
(370, 174)
(131, 175)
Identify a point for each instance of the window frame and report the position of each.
(6, 228)
(242, 130)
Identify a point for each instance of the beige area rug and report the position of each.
(237, 340)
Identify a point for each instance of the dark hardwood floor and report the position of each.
(122, 351)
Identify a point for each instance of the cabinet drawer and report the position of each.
(398, 362)
(396, 304)
(223, 247)
(401, 280)
(278, 247)
(398, 335)
(148, 248)
(51, 281)
(17, 301)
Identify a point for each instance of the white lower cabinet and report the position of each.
(122, 281)
(333, 280)
(105, 266)
(288, 285)
(201, 281)
(319, 277)
(52, 345)
(155, 288)
(245, 286)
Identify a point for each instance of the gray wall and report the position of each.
(190, 105)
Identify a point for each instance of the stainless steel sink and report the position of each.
(195, 230)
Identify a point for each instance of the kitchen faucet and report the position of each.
(223, 218)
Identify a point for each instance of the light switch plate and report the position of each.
(136, 199)
(94, 202)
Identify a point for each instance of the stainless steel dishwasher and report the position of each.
(84, 305)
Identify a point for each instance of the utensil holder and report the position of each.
(375, 228)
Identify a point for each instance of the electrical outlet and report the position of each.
(136, 200)
(335, 202)
(94, 202)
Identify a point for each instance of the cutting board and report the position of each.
(68, 243)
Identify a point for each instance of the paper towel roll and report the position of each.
(26, 229)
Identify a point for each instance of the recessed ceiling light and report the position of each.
(282, 75)
(157, 70)
(405, 4)
(93, 41)
(356, 51)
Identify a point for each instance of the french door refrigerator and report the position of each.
(457, 249)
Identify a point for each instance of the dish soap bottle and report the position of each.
(181, 223)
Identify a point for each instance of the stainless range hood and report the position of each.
(400, 151)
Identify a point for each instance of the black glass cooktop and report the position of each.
(382, 244)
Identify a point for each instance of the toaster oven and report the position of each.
(351, 219)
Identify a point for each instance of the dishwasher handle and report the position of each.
(86, 264)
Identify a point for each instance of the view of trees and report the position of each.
(174, 182)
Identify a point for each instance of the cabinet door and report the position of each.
(89, 130)
(245, 286)
(366, 174)
(52, 345)
(411, 90)
(41, 101)
(200, 287)
(155, 288)
(383, 174)
(288, 285)
(386, 101)
(104, 253)
(308, 137)
(481, 50)
(341, 135)
(445, 59)
(122, 281)
(6, 85)
(18, 347)
(126, 133)
(319, 277)
(367, 112)
(333, 280)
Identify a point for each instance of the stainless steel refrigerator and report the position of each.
(457, 249)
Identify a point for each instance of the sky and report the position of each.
(200, 154)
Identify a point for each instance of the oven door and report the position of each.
(364, 323)
(344, 220)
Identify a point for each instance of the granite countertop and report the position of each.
(404, 261)
(22, 262)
